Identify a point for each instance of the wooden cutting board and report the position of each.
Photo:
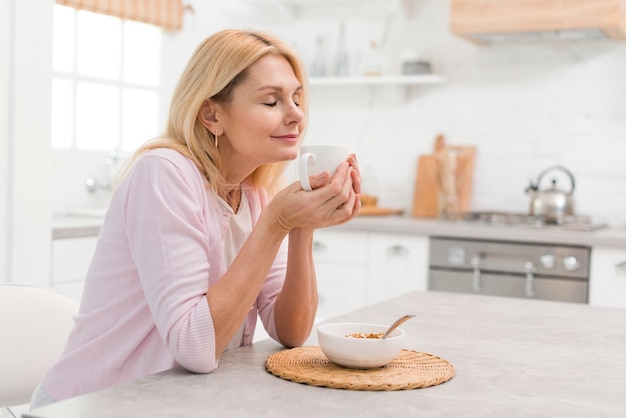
(425, 197)
(464, 176)
(378, 211)
(426, 194)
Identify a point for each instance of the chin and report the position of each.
(291, 153)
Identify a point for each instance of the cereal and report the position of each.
(372, 336)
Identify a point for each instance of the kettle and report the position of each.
(553, 204)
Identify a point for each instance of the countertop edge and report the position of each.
(64, 227)
(610, 237)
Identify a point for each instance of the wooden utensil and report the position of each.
(430, 176)
(396, 324)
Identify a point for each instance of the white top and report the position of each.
(238, 230)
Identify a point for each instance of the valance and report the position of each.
(167, 14)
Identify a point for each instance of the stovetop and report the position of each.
(570, 222)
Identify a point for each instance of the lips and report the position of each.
(288, 137)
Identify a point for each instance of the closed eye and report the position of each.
(272, 104)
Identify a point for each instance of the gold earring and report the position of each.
(216, 140)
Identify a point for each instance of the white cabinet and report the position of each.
(341, 269)
(356, 268)
(70, 260)
(397, 264)
(607, 282)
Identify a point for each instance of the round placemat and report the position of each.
(409, 370)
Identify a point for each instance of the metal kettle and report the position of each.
(553, 204)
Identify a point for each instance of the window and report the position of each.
(105, 83)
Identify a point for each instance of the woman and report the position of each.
(198, 238)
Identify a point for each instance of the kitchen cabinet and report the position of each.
(607, 283)
(489, 21)
(341, 269)
(397, 264)
(70, 261)
(356, 268)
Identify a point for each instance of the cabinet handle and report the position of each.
(529, 287)
(621, 266)
(398, 250)
(477, 285)
(319, 246)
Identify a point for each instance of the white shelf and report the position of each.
(425, 79)
(311, 2)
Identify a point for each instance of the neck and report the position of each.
(233, 197)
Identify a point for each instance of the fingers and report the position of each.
(356, 173)
(341, 194)
(333, 200)
(318, 180)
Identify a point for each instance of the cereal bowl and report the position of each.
(358, 345)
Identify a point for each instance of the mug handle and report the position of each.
(303, 170)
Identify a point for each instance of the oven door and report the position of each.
(497, 284)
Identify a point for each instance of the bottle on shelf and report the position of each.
(373, 62)
(341, 62)
(319, 65)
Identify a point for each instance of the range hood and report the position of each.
(492, 21)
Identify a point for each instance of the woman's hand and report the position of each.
(331, 202)
(356, 174)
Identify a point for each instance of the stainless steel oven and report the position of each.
(526, 270)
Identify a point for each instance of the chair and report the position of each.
(34, 325)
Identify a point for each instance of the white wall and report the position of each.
(5, 44)
(25, 141)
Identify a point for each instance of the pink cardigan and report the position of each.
(144, 308)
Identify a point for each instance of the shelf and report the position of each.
(311, 2)
(425, 79)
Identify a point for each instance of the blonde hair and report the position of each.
(217, 66)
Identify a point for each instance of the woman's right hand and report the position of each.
(330, 203)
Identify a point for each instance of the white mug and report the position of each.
(316, 159)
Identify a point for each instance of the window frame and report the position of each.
(120, 84)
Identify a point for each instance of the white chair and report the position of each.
(34, 325)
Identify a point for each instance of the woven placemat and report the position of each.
(409, 370)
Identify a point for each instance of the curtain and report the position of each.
(167, 14)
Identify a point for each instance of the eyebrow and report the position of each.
(276, 88)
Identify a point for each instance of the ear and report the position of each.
(207, 115)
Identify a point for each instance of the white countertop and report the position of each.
(513, 358)
(80, 226)
(614, 237)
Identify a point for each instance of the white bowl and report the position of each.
(359, 353)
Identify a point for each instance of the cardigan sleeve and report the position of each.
(167, 233)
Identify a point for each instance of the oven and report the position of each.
(514, 269)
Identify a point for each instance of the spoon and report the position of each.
(397, 324)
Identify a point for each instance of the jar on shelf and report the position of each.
(413, 64)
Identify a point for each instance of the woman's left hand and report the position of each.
(331, 202)
(356, 174)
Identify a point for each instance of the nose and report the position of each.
(294, 114)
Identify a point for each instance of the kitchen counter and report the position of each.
(513, 357)
(81, 226)
(614, 236)
(74, 226)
